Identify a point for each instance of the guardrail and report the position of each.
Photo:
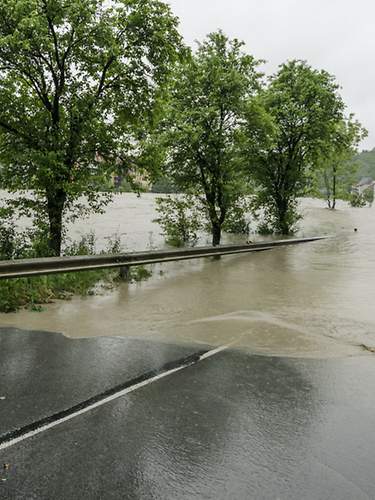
(36, 267)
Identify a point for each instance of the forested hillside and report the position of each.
(366, 162)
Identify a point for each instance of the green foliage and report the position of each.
(336, 171)
(78, 83)
(180, 219)
(237, 220)
(305, 108)
(84, 246)
(139, 273)
(209, 123)
(20, 244)
(366, 164)
(124, 186)
(33, 292)
(265, 229)
(274, 219)
(368, 195)
(360, 200)
(12, 245)
(357, 200)
(163, 185)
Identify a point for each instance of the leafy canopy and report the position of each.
(211, 100)
(336, 171)
(305, 107)
(78, 82)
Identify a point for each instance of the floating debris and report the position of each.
(368, 348)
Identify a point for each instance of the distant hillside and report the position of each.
(366, 162)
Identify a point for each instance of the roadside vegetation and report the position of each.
(235, 142)
(33, 292)
(96, 97)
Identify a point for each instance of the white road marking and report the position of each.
(108, 399)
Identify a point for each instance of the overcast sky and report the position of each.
(335, 35)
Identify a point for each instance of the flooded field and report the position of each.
(312, 300)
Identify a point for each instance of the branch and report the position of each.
(54, 36)
(101, 85)
(15, 131)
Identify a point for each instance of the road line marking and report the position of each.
(211, 353)
(108, 399)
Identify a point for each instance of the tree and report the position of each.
(211, 99)
(305, 107)
(78, 79)
(336, 170)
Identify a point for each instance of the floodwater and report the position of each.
(310, 300)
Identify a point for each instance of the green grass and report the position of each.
(33, 293)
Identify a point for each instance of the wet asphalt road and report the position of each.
(234, 426)
(45, 373)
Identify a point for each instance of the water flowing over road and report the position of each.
(313, 300)
(243, 377)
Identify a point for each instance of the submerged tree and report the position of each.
(77, 78)
(305, 107)
(336, 169)
(211, 100)
(180, 220)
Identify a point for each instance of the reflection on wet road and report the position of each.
(235, 426)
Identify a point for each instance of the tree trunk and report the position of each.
(334, 192)
(328, 189)
(216, 234)
(282, 216)
(55, 206)
(284, 226)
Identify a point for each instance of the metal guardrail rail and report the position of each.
(36, 267)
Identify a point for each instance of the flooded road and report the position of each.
(207, 381)
(312, 300)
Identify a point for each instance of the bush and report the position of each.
(180, 220)
(12, 245)
(357, 200)
(368, 196)
(140, 273)
(237, 221)
(163, 185)
(272, 219)
(264, 229)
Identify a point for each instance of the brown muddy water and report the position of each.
(311, 300)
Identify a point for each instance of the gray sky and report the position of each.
(335, 35)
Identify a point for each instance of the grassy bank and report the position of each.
(33, 292)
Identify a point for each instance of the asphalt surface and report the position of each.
(45, 373)
(234, 426)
